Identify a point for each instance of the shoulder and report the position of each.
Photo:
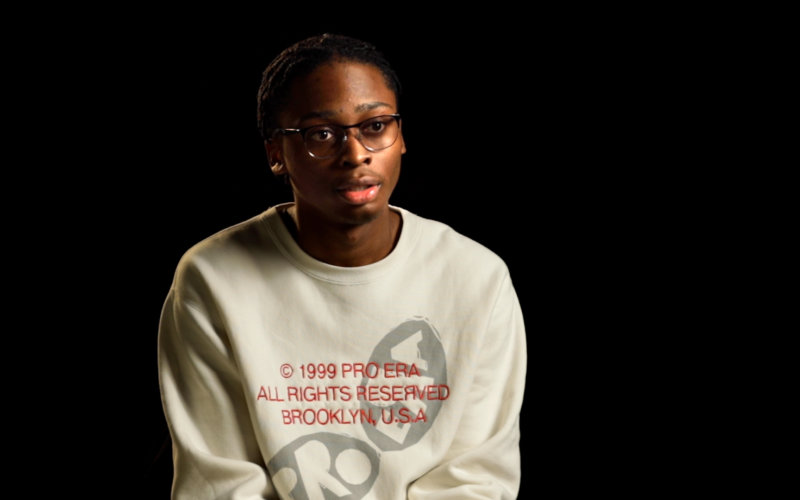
(224, 252)
(439, 240)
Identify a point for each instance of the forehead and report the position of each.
(338, 88)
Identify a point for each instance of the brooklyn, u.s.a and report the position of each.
(392, 393)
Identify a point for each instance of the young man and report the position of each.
(338, 346)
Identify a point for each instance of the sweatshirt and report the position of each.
(285, 377)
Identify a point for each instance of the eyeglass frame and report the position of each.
(302, 132)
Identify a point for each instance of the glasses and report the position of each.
(327, 141)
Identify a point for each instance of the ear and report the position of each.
(275, 157)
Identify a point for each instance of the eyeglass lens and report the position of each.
(374, 134)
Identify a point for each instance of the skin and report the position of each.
(328, 223)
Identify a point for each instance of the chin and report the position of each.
(364, 214)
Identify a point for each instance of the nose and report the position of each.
(353, 152)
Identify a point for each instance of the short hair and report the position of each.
(304, 57)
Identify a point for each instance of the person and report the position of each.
(338, 346)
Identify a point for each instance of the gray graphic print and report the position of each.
(403, 423)
(403, 391)
(324, 466)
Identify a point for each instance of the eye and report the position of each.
(320, 134)
(376, 126)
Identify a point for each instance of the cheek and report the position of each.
(294, 155)
(397, 162)
(308, 176)
(301, 178)
(396, 173)
(392, 175)
(299, 165)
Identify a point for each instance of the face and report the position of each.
(354, 186)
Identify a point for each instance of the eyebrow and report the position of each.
(367, 106)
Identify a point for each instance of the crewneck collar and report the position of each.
(338, 274)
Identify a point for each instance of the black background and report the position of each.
(520, 134)
(469, 116)
(589, 146)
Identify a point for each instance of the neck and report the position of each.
(345, 245)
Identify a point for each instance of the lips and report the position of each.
(359, 191)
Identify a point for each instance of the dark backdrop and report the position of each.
(489, 120)
(564, 141)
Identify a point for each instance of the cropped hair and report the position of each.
(304, 57)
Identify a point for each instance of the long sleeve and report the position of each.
(483, 461)
(214, 448)
(424, 369)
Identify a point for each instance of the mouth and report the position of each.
(359, 191)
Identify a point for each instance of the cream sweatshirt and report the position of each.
(285, 377)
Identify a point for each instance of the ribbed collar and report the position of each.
(337, 274)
